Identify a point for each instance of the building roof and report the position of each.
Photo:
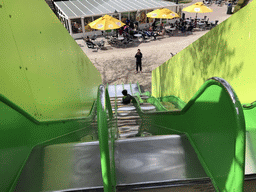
(87, 8)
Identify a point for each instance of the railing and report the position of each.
(116, 111)
(250, 106)
(106, 131)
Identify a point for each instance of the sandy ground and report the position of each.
(117, 65)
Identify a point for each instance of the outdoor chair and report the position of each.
(111, 41)
(105, 35)
(207, 25)
(170, 32)
(117, 43)
(101, 44)
(181, 30)
(172, 54)
(208, 2)
(90, 45)
(146, 35)
(130, 39)
(219, 2)
(201, 26)
(159, 33)
(189, 30)
(114, 42)
(216, 22)
(125, 42)
(155, 34)
(94, 37)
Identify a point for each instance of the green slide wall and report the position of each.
(226, 51)
(47, 85)
(42, 68)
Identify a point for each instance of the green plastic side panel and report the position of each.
(250, 119)
(49, 81)
(19, 135)
(42, 69)
(214, 128)
(227, 51)
(177, 102)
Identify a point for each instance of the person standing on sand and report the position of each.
(138, 57)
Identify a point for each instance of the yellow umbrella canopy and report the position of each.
(105, 23)
(162, 13)
(198, 7)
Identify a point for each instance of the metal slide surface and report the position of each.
(71, 166)
(139, 161)
(156, 159)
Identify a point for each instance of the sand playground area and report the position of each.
(118, 65)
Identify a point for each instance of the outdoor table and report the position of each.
(99, 43)
(120, 38)
(200, 25)
(171, 29)
(138, 36)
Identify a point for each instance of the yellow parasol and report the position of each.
(105, 23)
(198, 7)
(162, 13)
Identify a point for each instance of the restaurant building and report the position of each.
(77, 14)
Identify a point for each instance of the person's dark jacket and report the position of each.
(127, 99)
(138, 57)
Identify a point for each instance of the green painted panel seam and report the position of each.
(203, 162)
(32, 119)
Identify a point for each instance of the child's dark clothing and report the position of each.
(126, 99)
